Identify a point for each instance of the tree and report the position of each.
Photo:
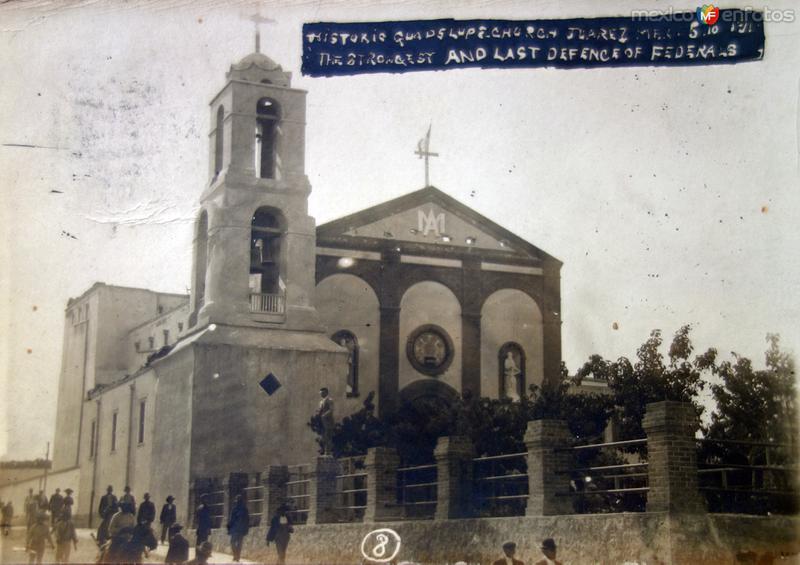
(756, 405)
(652, 378)
(495, 426)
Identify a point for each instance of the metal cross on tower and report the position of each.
(259, 19)
(424, 150)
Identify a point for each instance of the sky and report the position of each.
(670, 194)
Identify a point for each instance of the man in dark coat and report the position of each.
(68, 500)
(107, 508)
(167, 517)
(142, 539)
(147, 510)
(204, 520)
(56, 505)
(201, 554)
(44, 504)
(178, 551)
(280, 530)
(8, 515)
(66, 537)
(128, 498)
(31, 508)
(238, 526)
(107, 501)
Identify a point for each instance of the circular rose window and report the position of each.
(430, 350)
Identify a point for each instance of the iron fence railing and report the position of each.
(351, 490)
(254, 497)
(747, 477)
(417, 491)
(608, 477)
(500, 484)
(298, 493)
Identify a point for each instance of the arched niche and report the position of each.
(510, 319)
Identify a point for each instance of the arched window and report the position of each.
(511, 358)
(266, 241)
(219, 140)
(349, 341)
(267, 116)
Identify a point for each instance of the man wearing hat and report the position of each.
(325, 413)
(178, 551)
(147, 510)
(201, 554)
(68, 500)
(509, 549)
(167, 518)
(128, 498)
(56, 505)
(549, 550)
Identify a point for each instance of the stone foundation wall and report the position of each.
(652, 537)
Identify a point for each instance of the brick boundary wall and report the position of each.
(648, 537)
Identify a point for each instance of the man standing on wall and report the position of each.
(325, 413)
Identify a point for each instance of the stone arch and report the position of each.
(510, 316)
(429, 388)
(268, 114)
(219, 140)
(267, 262)
(430, 303)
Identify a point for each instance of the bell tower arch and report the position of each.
(257, 264)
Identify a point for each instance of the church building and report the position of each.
(414, 298)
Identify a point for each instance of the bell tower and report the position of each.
(254, 249)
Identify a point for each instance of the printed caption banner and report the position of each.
(332, 49)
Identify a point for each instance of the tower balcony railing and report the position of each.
(268, 303)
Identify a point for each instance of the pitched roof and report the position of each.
(367, 224)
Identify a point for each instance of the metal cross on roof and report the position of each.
(424, 150)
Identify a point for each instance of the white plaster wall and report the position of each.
(347, 302)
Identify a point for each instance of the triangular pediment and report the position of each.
(428, 217)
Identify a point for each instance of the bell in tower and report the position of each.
(254, 263)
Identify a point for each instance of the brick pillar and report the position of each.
(672, 458)
(275, 491)
(322, 491)
(545, 468)
(381, 464)
(454, 477)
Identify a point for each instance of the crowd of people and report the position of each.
(48, 522)
(126, 535)
(279, 531)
